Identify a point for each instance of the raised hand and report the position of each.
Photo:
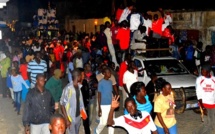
(115, 102)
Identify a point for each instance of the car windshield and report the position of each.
(165, 67)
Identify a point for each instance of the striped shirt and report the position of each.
(34, 68)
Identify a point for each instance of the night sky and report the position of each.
(99, 8)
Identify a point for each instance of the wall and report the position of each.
(204, 21)
(83, 25)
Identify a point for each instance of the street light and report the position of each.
(95, 24)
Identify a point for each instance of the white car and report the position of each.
(173, 71)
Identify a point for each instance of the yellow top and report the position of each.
(165, 105)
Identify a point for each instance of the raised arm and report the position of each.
(114, 105)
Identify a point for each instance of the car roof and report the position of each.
(154, 58)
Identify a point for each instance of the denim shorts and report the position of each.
(172, 130)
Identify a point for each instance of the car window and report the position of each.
(165, 67)
(139, 67)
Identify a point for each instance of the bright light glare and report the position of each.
(2, 5)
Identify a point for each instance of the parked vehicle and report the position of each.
(172, 70)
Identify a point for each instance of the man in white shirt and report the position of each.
(108, 34)
(126, 12)
(129, 77)
(147, 22)
(138, 41)
(205, 91)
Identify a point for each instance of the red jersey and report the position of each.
(118, 13)
(58, 52)
(166, 33)
(157, 26)
(123, 36)
(122, 70)
(23, 70)
(114, 31)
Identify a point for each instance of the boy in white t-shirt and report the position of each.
(136, 122)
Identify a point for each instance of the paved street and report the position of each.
(10, 122)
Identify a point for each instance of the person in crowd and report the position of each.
(147, 22)
(90, 77)
(18, 55)
(29, 56)
(99, 77)
(168, 33)
(45, 57)
(135, 19)
(51, 55)
(27, 50)
(54, 85)
(4, 65)
(157, 25)
(111, 49)
(164, 106)
(15, 64)
(39, 106)
(134, 122)
(205, 94)
(77, 60)
(123, 36)
(10, 85)
(138, 41)
(119, 11)
(101, 38)
(197, 56)
(206, 54)
(114, 30)
(122, 70)
(129, 77)
(57, 124)
(58, 52)
(72, 104)
(17, 82)
(189, 59)
(152, 92)
(212, 60)
(70, 69)
(126, 12)
(85, 93)
(23, 72)
(36, 66)
(138, 91)
(36, 47)
(105, 90)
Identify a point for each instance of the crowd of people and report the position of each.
(96, 68)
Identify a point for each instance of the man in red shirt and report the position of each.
(58, 52)
(122, 70)
(123, 36)
(157, 25)
(114, 30)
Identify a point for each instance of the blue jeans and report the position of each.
(91, 109)
(17, 99)
(172, 130)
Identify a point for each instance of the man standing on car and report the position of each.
(205, 85)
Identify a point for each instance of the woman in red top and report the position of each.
(23, 72)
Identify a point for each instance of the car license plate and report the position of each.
(194, 105)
